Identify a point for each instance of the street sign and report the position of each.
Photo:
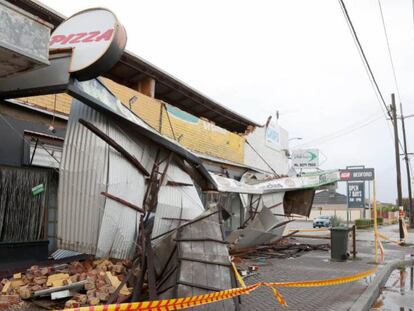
(357, 174)
(305, 158)
(356, 194)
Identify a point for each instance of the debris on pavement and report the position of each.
(86, 283)
(284, 248)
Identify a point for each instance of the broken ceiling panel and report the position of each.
(298, 202)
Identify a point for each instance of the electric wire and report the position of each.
(389, 50)
(368, 69)
(342, 132)
(363, 57)
(392, 65)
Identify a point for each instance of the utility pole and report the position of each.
(407, 165)
(397, 161)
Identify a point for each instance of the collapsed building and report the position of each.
(88, 173)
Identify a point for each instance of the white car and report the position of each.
(322, 221)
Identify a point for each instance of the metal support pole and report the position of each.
(347, 206)
(369, 200)
(375, 222)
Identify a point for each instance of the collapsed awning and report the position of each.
(311, 180)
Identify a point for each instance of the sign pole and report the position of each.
(375, 223)
(347, 206)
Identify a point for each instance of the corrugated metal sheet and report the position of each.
(42, 157)
(274, 201)
(176, 174)
(63, 253)
(97, 225)
(119, 228)
(260, 230)
(83, 175)
(176, 202)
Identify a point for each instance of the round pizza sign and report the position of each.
(96, 38)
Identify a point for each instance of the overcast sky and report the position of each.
(297, 57)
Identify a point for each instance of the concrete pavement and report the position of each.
(317, 265)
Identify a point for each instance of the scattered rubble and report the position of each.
(284, 248)
(86, 283)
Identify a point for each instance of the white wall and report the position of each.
(275, 155)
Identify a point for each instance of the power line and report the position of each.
(389, 50)
(363, 57)
(392, 65)
(367, 67)
(340, 133)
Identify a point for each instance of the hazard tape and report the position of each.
(384, 237)
(183, 303)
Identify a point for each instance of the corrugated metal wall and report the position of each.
(83, 176)
(120, 224)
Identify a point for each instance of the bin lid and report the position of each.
(341, 229)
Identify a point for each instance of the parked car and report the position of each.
(322, 221)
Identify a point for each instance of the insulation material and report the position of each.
(83, 176)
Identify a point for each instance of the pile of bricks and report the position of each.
(99, 279)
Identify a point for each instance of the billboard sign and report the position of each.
(305, 158)
(357, 174)
(356, 194)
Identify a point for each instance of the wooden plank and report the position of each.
(123, 202)
(129, 157)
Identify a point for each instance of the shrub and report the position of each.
(335, 221)
(363, 223)
(367, 223)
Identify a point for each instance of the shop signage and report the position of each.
(305, 158)
(357, 174)
(272, 136)
(356, 194)
(96, 38)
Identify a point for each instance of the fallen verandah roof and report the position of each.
(283, 184)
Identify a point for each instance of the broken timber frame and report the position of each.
(155, 181)
(123, 202)
(129, 157)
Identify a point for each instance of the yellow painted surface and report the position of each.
(196, 134)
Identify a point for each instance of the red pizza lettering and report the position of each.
(66, 40)
(78, 36)
(107, 35)
(56, 39)
(82, 37)
(91, 36)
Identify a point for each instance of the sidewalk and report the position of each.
(312, 266)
